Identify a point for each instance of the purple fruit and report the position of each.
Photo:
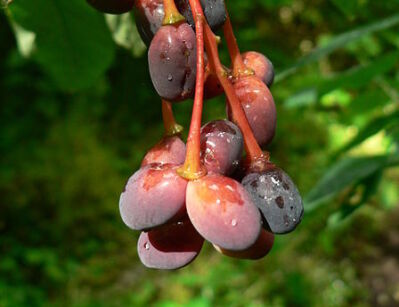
(149, 16)
(172, 62)
(261, 65)
(170, 247)
(214, 11)
(170, 150)
(221, 146)
(258, 250)
(277, 197)
(223, 212)
(258, 104)
(153, 196)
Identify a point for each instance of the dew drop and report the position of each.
(170, 77)
(147, 246)
(234, 222)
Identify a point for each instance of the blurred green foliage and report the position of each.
(78, 112)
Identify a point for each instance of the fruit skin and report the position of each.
(172, 62)
(261, 65)
(212, 87)
(277, 197)
(112, 6)
(258, 250)
(170, 247)
(214, 11)
(223, 212)
(153, 196)
(148, 15)
(221, 146)
(259, 107)
(170, 150)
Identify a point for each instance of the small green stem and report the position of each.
(172, 14)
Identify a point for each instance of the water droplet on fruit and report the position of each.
(147, 246)
(233, 222)
(170, 77)
(275, 181)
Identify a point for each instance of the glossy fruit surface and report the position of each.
(223, 212)
(172, 62)
(259, 107)
(221, 146)
(170, 247)
(258, 250)
(212, 87)
(153, 196)
(261, 65)
(277, 198)
(148, 15)
(112, 6)
(170, 150)
(214, 11)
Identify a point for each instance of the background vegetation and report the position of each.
(78, 112)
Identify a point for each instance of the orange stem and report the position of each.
(193, 168)
(252, 148)
(232, 46)
(169, 122)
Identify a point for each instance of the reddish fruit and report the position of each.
(258, 250)
(261, 65)
(223, 212)
(154, 196)
(170, 247)
(259, 107)
(170, 150)
(172, 60)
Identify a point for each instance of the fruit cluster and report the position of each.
(206, 188)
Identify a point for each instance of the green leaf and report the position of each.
(125, 34)
(343, 174)
(339, 42)
(73, 43)
(349, 8)
(369, 186)
(350, 79)
(378, 124)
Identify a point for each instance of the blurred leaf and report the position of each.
(352, 78)
(348, 7)
(361, 75)
(369, 187)
(125, 34)
(344, 173)
(73, 42)
(4, 3)
(338, 42)
(378, 124)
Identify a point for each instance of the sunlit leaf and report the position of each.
(344, 173)
(378, 124)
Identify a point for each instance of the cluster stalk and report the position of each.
(172, 14)
(193, 168)
(171, 127)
